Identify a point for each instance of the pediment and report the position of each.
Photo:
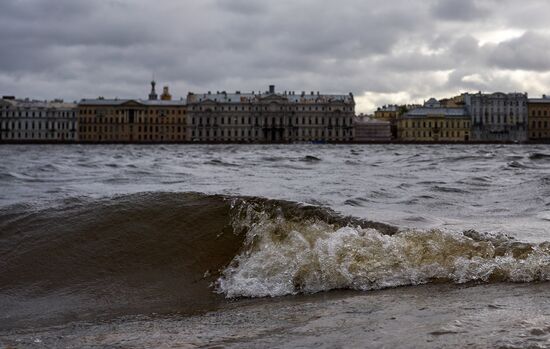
(132, 103)
(208, 102)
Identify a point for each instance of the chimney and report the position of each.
(271, 89)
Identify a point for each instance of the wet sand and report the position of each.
(429, 316)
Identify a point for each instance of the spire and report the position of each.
(153, 95)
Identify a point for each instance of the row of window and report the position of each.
(256, 133)
(488, 111)
(37, 114)
(441, 124)
(124, 120)
(268, 108)
(32, 125)
(424, 134)
(124, 138)
(492, 102)
(500, 119)
(37, 135)
(275, 121)
(539, 112)
(539, 123)
(539, 135)
(105, 129)
(125, 112)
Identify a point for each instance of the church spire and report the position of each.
(153, 95)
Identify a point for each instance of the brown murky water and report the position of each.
(110, 246)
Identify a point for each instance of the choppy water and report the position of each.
(93, 233)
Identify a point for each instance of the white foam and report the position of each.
(284, 258)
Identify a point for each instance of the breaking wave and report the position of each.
(169, 252)
(287, 256)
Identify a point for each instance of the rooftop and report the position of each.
(37, 104)
(118, 102)
(544, 99)
(291, 96)
(445, 112)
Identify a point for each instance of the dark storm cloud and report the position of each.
(463, 10)
(77, 48)
(528, 52)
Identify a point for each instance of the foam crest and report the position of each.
(284, 256)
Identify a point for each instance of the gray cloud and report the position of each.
(528, 52)
(463, 10)
(77, 48)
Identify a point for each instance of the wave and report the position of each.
(187, 252)
(129, 254)
(310, 158)
(539, 156)
(286, 257)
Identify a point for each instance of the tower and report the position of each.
(153, 95)
(166, 96)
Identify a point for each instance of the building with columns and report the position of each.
(133, 120)
(498, 116)
(270, 117)
(24, 120)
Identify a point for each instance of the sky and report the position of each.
(392, 51)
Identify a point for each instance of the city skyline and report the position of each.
(383, 53)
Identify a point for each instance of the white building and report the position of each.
(270, 117)
(37, 121)
(498, 116)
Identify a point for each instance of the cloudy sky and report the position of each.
(383, 51)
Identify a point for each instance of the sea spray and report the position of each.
(284, 256)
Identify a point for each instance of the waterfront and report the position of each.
(98, 238)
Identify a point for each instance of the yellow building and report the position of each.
(132, 120)
(453, 102)
(387, 113)
(433, 123)
(539, 118)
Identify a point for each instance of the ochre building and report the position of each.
(433, 123)
(539, 118)
(133, 120)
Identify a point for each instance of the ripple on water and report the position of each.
(539, 156)
(310, 158)
(442, 189)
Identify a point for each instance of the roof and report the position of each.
(497, 95)
(238, 98)
(445, 112)
(544, 100)
(144, 102)
(387, 108)
(36, 104)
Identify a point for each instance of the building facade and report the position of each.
(270, 117)
(372, 130)
(539, 118)
(387, 113)
(434, 123)
(133, 120)
(37, 121)
(498, 116)
(453, 102)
